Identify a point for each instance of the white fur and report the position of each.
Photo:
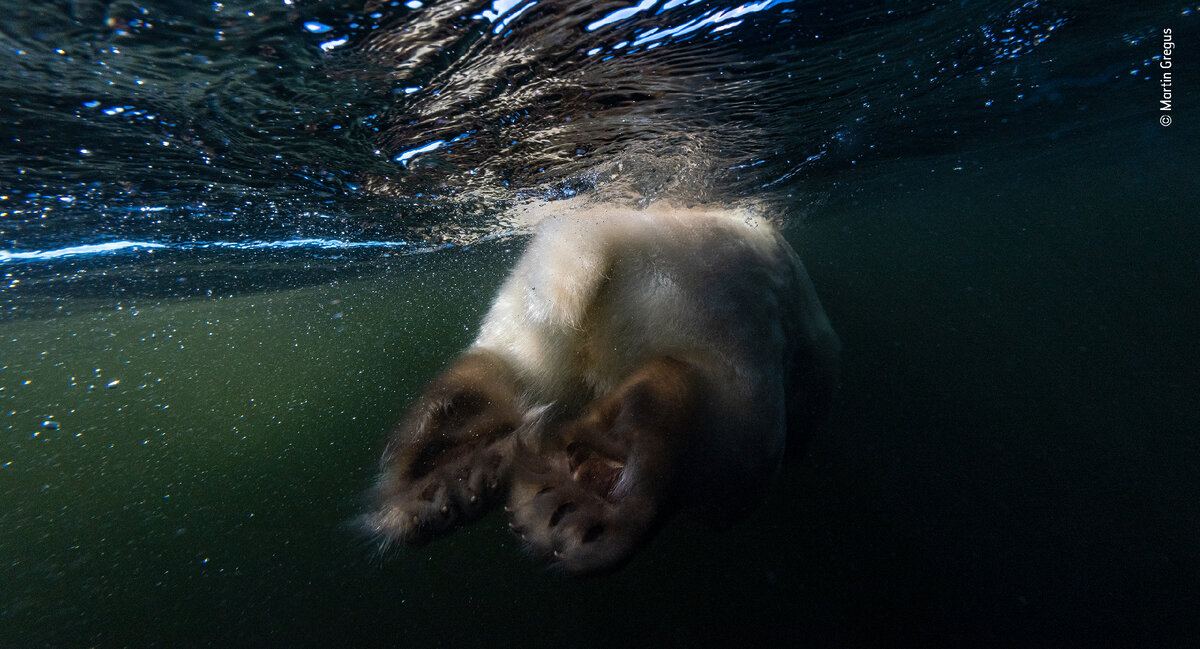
(600, 291)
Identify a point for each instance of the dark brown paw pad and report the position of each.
(575, 528)
(439, 494)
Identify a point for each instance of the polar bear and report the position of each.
(635, 363)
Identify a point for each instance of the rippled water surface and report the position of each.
(236, 237)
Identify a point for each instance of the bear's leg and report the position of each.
(448, 462)
(599, 486)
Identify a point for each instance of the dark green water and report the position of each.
(1014, 456)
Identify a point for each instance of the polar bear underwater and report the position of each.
(634, 364)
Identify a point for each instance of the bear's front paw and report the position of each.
(603, 482)
(574, 508)
(448, 462)
(447, 487)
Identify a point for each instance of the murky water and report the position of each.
(236, 237)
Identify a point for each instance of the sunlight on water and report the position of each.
(437, 108)
(74, 251)
(133, 246)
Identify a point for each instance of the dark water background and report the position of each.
(236, 237)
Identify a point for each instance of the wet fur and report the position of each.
(634, 363)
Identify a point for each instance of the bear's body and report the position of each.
(634, 362)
